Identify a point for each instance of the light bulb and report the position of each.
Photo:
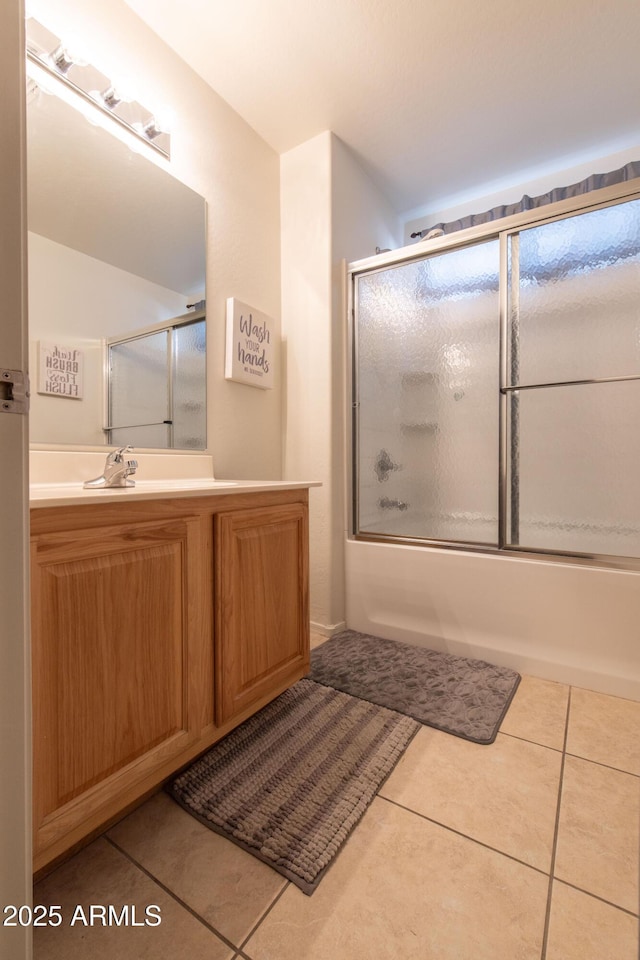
(111, 97)
(151, 129)
(63, 59)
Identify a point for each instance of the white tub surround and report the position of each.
(558, 621)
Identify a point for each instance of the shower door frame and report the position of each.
(501, 230)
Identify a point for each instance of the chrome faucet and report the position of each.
(116, 471)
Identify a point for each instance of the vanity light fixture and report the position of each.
(49, 53)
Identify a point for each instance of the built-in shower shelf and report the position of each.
(425, 426)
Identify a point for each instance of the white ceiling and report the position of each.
(437, 98)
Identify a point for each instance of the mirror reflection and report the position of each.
(116, 264)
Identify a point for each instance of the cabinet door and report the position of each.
(111, 631)
(262, 621)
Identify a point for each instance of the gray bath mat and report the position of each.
(291, 783)
(468, 698)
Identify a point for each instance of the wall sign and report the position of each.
(60, 370)
(250, 356)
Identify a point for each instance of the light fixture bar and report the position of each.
(49, 53)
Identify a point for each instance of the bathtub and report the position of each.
(557, 621)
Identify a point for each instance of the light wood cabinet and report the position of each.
(157, 627)
(262, 609)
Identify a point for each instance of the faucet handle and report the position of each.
(118, 456)
(116, 470)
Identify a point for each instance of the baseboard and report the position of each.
(327, 630)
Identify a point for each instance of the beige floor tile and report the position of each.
(221, 882)
(504, 794)
(583, 928)
(605, 729)
(317, 639)
(598, 833)
(406, 889)
(538, 712)
(101, 876)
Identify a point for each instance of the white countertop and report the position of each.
(68, 494)
(57, 477)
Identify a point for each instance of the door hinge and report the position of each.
(14, 391)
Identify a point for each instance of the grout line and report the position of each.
(174, 896)
(547, 917)
(241, 955)
(465, 836)
(536, 743)
(607, 766)
(263, 917)
(578, 756)
(595, 896)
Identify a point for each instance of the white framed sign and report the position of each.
(60, 370)
(250, 353)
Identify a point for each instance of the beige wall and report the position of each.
(306, 327)
(217, 154)
(331, 212)
(89, 299)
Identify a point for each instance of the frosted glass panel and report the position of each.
(157, 389)
(579, 463)
(578, 295)
(189, 386)
(139, 386)
(156, 435)
(427, 357)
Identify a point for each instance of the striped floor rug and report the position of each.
(291, 783)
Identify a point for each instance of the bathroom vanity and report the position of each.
(162, 617)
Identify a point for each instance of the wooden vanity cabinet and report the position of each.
(262, 612)
(157, 627)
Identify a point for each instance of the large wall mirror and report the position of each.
(116, 289)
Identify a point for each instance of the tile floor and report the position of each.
(527, 849)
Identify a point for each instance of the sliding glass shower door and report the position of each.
(427, 395)
(496, 390)
(574, 385)
(139, 397)
(157, 388)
